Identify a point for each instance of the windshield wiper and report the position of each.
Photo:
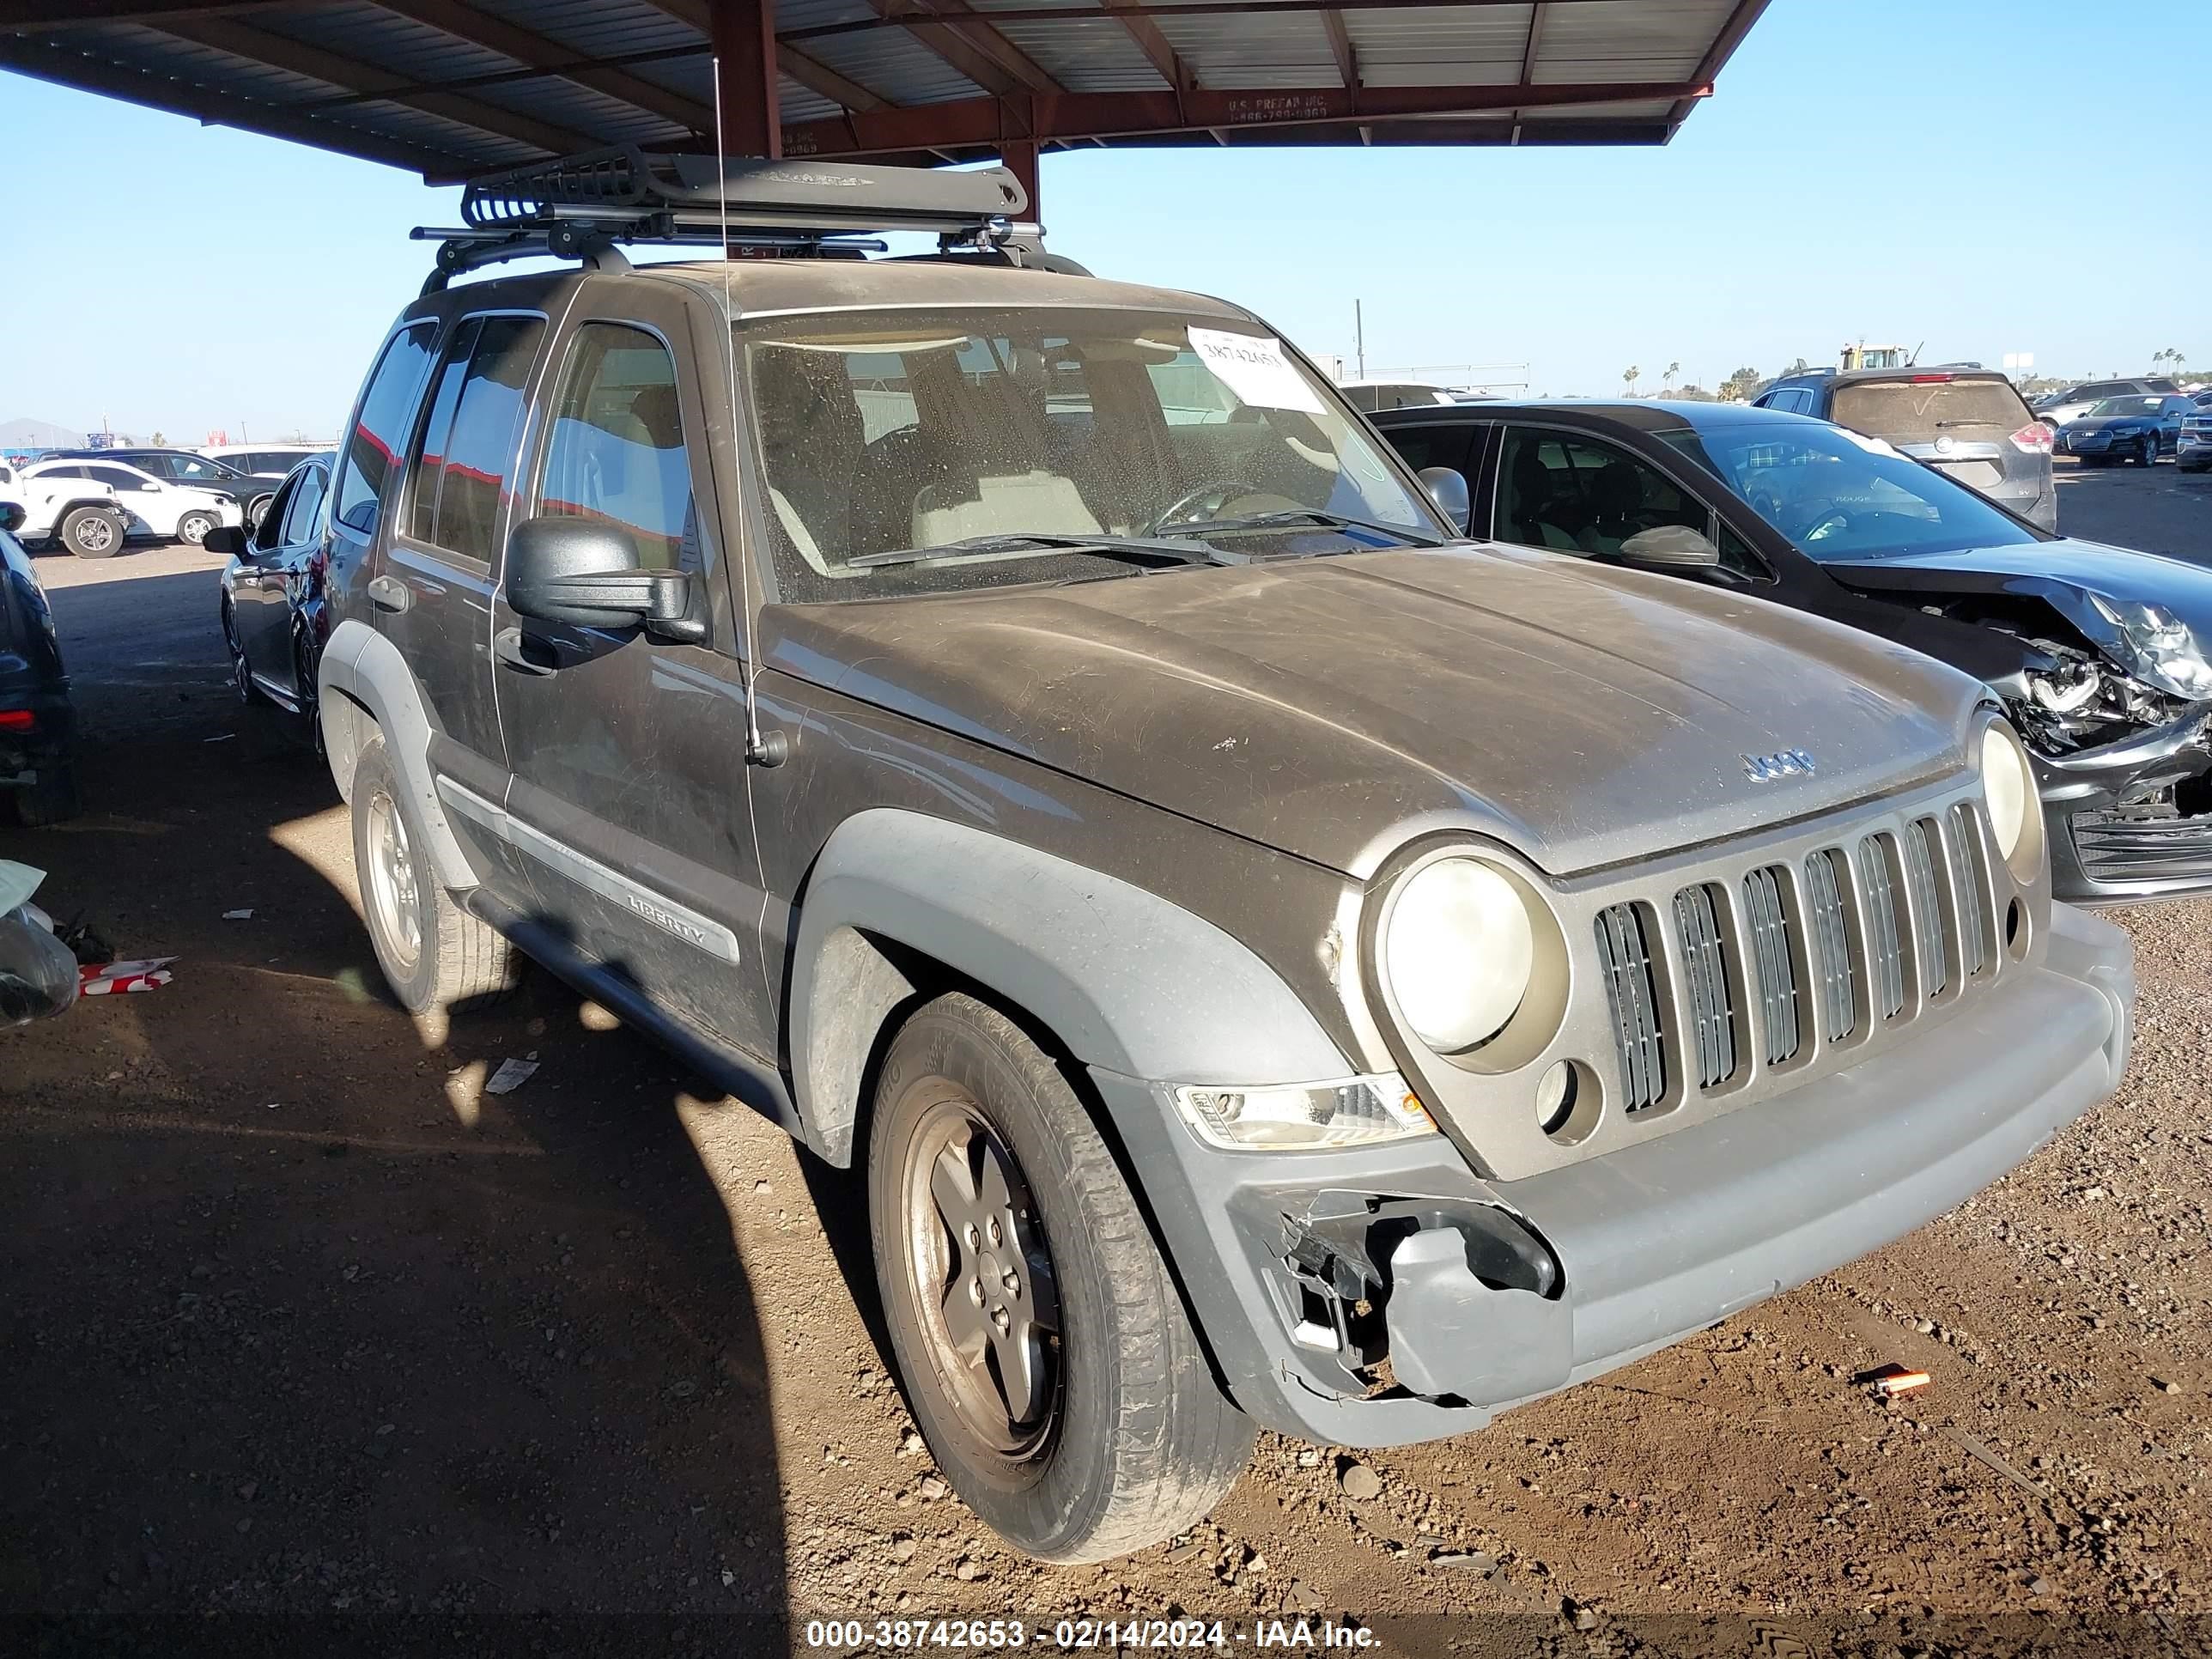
(1112, 547)
(1300, 515)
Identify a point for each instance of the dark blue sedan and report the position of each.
(2140, 428)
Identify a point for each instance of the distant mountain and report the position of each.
(38, 434)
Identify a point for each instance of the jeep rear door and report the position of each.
(630, 800)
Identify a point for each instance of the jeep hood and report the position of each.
(1330, 707)
(2149, 615)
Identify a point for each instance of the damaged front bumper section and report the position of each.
(1384, 1295)
(2131, 820)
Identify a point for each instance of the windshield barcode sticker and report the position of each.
(1255, 369)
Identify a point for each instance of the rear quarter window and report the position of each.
(1921, 413)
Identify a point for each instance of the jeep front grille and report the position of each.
(1624, 955)
(1774, 959)
(1853, 939)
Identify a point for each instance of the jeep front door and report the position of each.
(630, 800)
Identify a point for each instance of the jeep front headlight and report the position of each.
(1458, 952)
(2015, 807)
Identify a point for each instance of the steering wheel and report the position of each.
(1212, 497)
(1815, 515)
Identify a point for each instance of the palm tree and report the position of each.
(1669, 379)
(1628, 377)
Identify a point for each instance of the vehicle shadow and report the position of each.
(306, 1323)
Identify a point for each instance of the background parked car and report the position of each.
(2139, 427)
(1968, 423)
(152, 506)
(271, 461)
(2103, 656)
(2194, 452)
(184, 466)
(2059, 407)
(1368, 396)
(37, 723)
(274, 617)
(71, 512)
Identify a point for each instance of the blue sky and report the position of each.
(1957, 174)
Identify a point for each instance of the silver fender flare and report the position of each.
(365, 690)
(1124, 979)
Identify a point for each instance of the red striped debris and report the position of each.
(1900, 1383)
(102, 979)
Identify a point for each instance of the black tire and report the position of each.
(1132, 1440)
(452, 958)
(192, 528)
(241, 671)
(90, 533)
(2149, 453)
(256, 509)
(309, 693)
(52, 798)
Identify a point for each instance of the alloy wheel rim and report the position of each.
(241, 672)
(982, 1277)
(391, 880)
(97, 534)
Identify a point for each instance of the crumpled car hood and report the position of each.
(2150, 614)
(1331, 706)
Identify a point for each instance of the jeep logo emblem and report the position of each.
(1789, 763)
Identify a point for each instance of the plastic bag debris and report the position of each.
(511, 1075)
(38, 974)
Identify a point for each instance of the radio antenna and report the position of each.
(755, 750)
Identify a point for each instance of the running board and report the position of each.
(745, 1076)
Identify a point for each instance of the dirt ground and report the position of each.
(311, 1344)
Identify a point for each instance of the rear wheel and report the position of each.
(433, 952)
(303, 678)
(241, 671)
(1044, 1348)
(91, 533)
(51, 799)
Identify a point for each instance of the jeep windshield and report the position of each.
(1843, 498)
(918, 451)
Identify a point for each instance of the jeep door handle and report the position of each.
(389, 593)
(511, 648)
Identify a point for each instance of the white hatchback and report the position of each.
(153, 507)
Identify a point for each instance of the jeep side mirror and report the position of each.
(1447, 488)
(588, 575)
(227, 539)
(1672, 547)
(12, 515)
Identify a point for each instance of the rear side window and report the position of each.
(1921, 413)
(1432, 445)
(386, 408)
(306, 502)
(469, 441)
(617, 451)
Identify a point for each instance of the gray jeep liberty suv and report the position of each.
(1276, 965)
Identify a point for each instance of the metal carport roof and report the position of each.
(454, 88)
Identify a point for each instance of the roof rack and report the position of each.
(579, 206)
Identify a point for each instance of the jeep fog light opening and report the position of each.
(1459, 950)
(1301, 1117)
(2015, 806)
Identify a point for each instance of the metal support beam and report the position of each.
(993, 122)
(1021, 160)
(535, 51)
(66, 67)
(260, 46)
(809, 71)
(1154, 44)
(1530, 50)
(744, 35)
(954, 31)
(1339, 46)
(1738, 24)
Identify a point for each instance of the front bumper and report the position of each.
(1615, 1256)
(2120, 818)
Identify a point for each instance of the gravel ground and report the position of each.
(310, 1343)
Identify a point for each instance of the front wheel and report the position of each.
(257, 509)
(1044, 1348)
(193, 529)
(2149, 453)
(91, 533)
